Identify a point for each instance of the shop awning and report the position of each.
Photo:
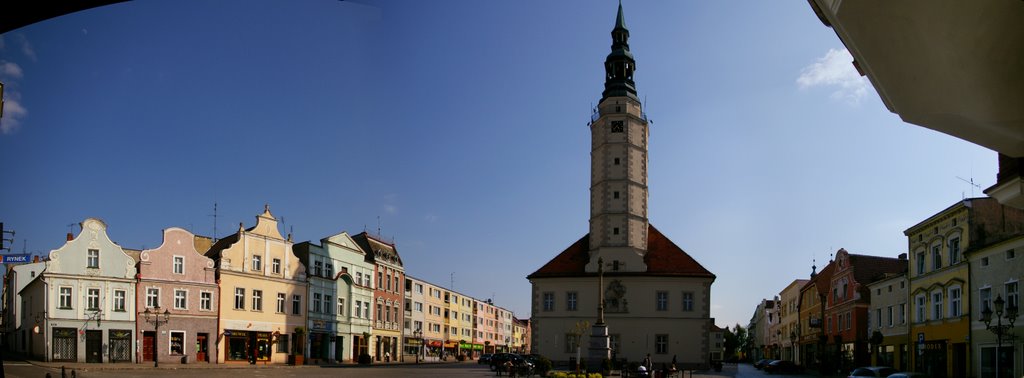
(435, 343)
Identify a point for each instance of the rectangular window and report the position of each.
(316, 302)
(954, 302)
(919, 300)
(937, 305)
(660, 344)
(341, 306)
(954, 251)
(549, 301)
(257, 263)
(177, 342)
(936, 257)
(282, 343)
(327, 303)
(878, 318)
(206, 301)
(849, 319)
(1010, 254)
(280, 303)
(180, 299)
(65, 297)
(152, 297)
(276, 267)
(984, 261)
(984, 300)
(366, 310)
(890, 316)
(418, 306)
(419, 289)
(318, 268)
(570, 301)
(903, 313)
(93, 299)
(920, 263)
(662, 300)
(296, 304)
(571, 342)
(119, 300)
(239, 298)
(257, 300)
(93, 258)
(179, 265)
(329, 270)
(687, 301)
(1011, 294)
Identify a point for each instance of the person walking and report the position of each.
(647, 363)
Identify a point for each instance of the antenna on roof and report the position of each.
(971, 182)
(214, 215)
(378, 225)
(452, 284)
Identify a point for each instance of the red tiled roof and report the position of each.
(663, 258)
(868, 269)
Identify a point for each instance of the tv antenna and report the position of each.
(214, 215)
(971, 182)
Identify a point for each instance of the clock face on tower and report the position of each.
(617, 126)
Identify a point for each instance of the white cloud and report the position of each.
(10, 69)
(26, 48)
(390, 209)
(835, 70)
(430, 218)
(13, 112)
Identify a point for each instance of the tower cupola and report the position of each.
(619, 65)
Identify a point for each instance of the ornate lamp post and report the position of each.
(419, 335)
(999, 329)
(792, 346)
(156, 320)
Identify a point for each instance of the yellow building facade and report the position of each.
(263, 289)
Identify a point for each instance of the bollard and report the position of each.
(63, 374)
(73, 375)
(48, 375)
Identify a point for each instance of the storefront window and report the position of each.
(177, 343)
(236, 348)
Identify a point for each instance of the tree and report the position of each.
(735, 341)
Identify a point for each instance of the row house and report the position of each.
(463, 325)
(415, 313)
(484, 329)
(262, 316)
(940, 281)
(81, 303)
(340, 291)
(813, 336)
(789, 312)
(520, 335)
(995, 272)
(178, 291)
(435, 317)
(887, 321)
(388, 295)
(846, 308)
(757, 329)
(17, 325)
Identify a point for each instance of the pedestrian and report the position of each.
(387, 356)
(647, 363)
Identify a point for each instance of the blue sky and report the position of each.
(462, 126)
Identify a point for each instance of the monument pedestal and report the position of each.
(600, 348)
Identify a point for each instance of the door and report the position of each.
(148, 340)
(339, 348)
(201, 351)
(93, 346)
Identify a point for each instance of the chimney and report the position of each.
(35, 258)
(903, 256)
(71, 237)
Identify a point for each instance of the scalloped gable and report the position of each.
(266, 225)
(663, 258)
(158, 262)
(72, 257)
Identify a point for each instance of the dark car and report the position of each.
(761, 363)
(484, 358)
(781, 366)
(498, 360)
(872, 371)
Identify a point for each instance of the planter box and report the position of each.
(295, 360)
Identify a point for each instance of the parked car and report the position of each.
(871, 371)
(761, 363)
(908, 374)
(498, 361)
(484, 358)
(781, 366)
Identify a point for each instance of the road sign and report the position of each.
(15, 259)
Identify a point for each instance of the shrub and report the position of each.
(543, 365)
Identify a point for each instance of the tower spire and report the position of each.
(619, 65)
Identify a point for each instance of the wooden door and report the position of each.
(148, 340)
(201, 347)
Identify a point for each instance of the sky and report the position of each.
(459, 129)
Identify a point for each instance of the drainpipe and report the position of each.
(216, 328)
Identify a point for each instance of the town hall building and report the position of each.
(624, 290)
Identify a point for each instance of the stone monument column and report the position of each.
(600, 344)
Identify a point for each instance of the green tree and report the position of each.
(735, 340)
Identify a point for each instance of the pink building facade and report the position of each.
(177, 286)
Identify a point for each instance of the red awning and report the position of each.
(435, 343)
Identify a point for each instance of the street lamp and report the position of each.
(419, 335)
(792, 346)
(999, 329)
(155, 319)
